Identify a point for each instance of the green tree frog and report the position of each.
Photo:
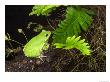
(37, 44)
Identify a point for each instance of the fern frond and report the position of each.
(43, 9)
(77, 19)
(75, 42)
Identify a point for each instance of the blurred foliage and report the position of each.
(43, 9)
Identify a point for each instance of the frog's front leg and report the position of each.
(41, 57)
(46, 46)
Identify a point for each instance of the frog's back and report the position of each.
(30, 48)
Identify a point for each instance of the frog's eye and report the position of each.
(46, 35)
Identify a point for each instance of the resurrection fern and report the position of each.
(75, 42)
(43, 9)
(77, 19)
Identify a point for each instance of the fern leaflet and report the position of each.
(77, 19)
(43, 9)
(75, 42)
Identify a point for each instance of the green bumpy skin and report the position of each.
(36, 45)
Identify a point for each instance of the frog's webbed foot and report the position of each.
(42, 57)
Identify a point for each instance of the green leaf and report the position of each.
(77, 19)
(43, 9)
(75, 42)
